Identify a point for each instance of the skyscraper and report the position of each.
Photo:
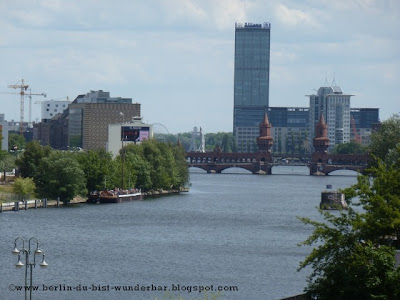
(251, 82)
(335, 106)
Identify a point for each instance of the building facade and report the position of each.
(132, 132)
(364, 121)
(251, 82)
(4, 133)
(89, 117)
(52, 108)
(290, 129)
(335, 106)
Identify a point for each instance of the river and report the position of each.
(238, 232)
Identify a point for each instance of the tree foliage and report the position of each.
(350, 148)
(99, 169)
(24, 187)
(354, 257)
(7, 163)
(60, 176)
(156, 165)
(386, 138)
(224, 140)
(16, 142)
(31, 158)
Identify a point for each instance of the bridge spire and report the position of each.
(321, 140)
(265, 140)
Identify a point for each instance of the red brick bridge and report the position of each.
(320, 163)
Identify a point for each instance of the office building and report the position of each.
(335, 106)
(89, 116)
(364, 121)
(251, 82)
(290, 129)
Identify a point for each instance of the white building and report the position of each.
(335, 106)
(53, 107)
(127, 133)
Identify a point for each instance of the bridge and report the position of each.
(319, 163)
(262, 163)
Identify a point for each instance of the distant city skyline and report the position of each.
(176, 58)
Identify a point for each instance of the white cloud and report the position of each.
(294, 17)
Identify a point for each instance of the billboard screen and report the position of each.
(134, 133)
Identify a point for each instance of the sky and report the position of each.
(176, 57)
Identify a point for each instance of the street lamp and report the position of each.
(27, 252)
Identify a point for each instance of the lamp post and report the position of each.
(27, 253)
(122, 150)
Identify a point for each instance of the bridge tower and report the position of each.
(321, 140)
(265, 140)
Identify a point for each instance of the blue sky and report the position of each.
(175, 57)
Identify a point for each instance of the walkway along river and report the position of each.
(234, 231)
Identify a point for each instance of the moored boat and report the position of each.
(115, 196)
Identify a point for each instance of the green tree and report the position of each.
(181, 165)
(350, 148)
(60, 176)
(16, 142)
(31, 158)
(7, 163)
(354, 257)
(24, 187)
(155, 165)
(99, 169)
(386, 138)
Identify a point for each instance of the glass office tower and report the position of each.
(251, 82)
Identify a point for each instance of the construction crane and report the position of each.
(30, 102)
(356, 137)
(23, 87)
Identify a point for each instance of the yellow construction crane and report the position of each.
(30, 102)
(23, 87)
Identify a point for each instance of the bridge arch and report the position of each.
(341, 171)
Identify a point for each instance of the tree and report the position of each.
(350, 148)
(354, 258)
(156, 165)
(31, 158)
(386, 138)
(7, 163)
(24, 187)
(60, 176)
(16, 142)
(99, 169)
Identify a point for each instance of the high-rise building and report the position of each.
(251, 82)
(335, 106)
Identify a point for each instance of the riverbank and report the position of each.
(41, 203)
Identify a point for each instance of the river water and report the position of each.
(238, 232)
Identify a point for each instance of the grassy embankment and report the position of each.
(6, 193)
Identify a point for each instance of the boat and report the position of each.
(115, 196)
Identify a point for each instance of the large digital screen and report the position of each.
(134, 133)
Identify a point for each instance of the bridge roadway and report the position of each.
(262, 163)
